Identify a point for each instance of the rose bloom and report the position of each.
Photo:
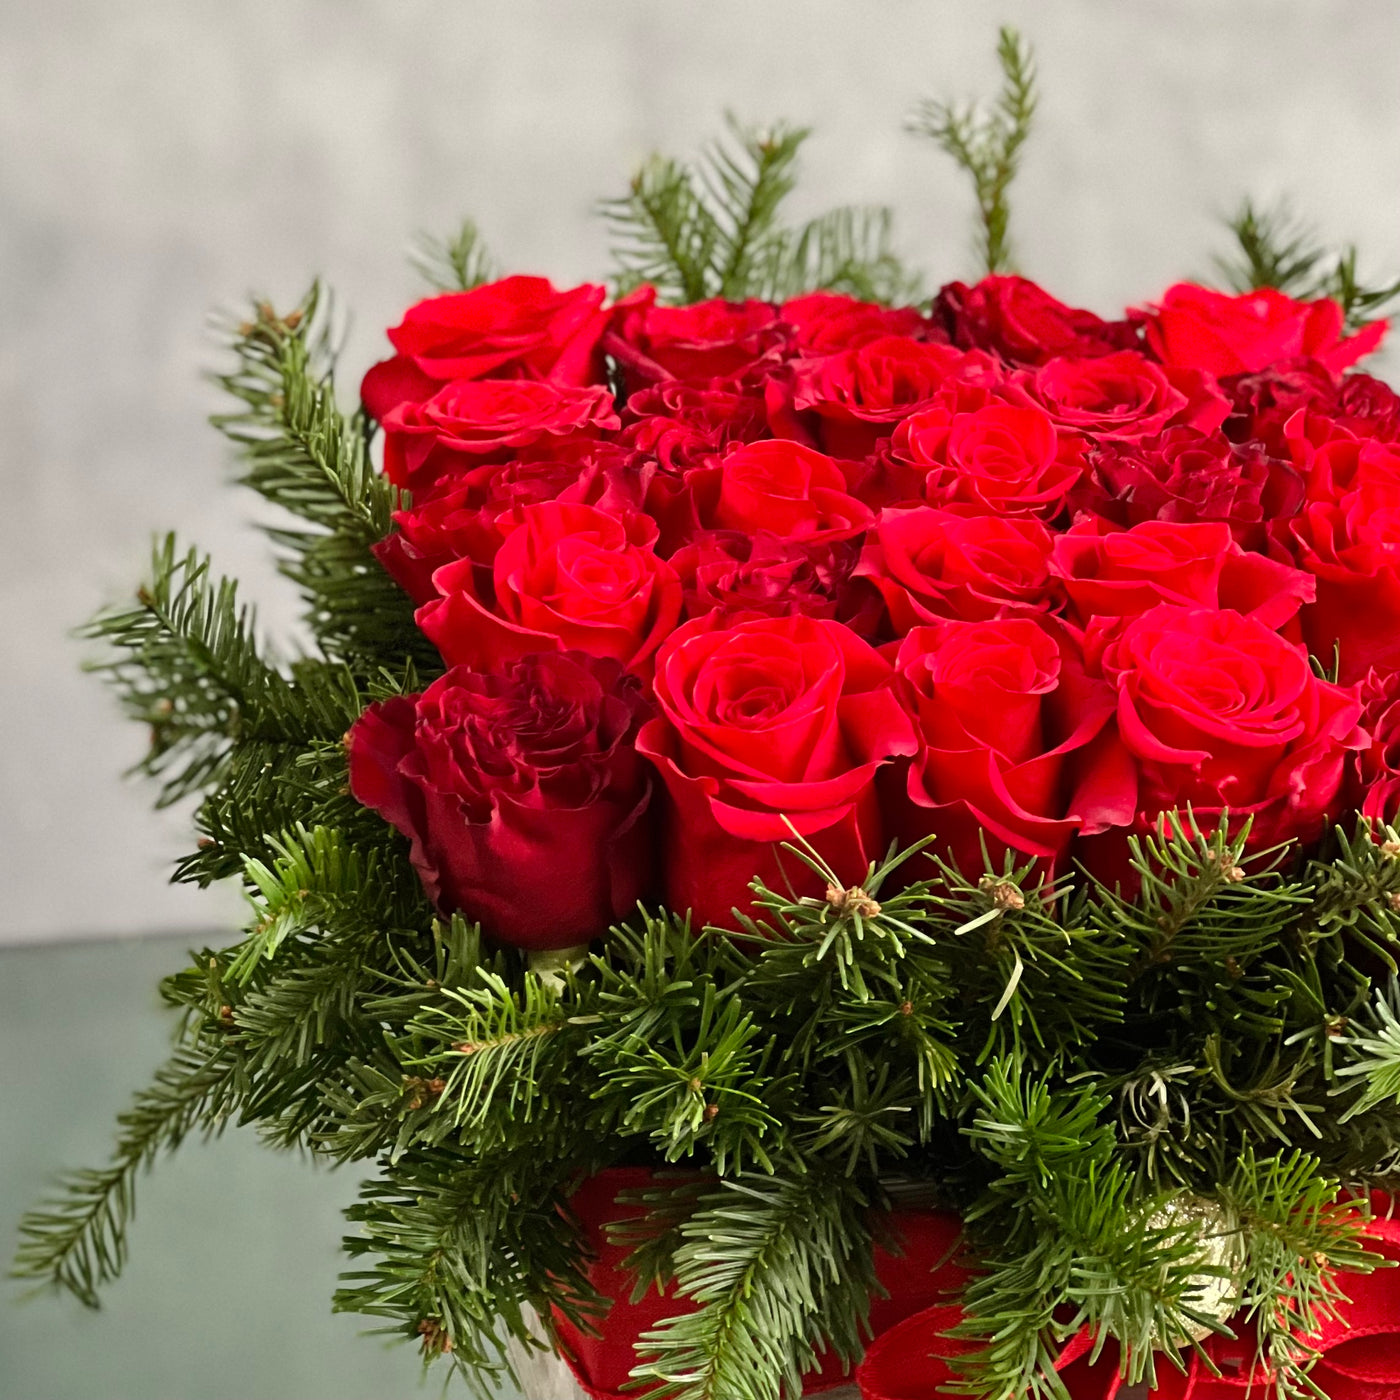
(742, 574)
(1184, 475)
(1195, 328)
(1348, 537)
(1221, 712)
(569, 577)
(930, 564)
(1025, 325)
(699, 344)
(471, 518)
(1012, 747)
(764, 723)
(1376, 776)
(683, 426)
(826, 323)
(856, 398)
(999, 458)
(1122, 396)
(519, 327)
(474, 421)
(521, 793)
(1108, 572)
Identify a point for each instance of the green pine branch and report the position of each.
(77, 1239)
(987, 143)
(455, 264)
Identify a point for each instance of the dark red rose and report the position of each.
(472, 421)
(1195, 328)
(684, 426)
(471, 518)
(1348, 537)
(1010, 729)
(1015, 319)
(519, 327)
(1376, 779)
(766, 722)
(1368, 407)
(1262, 403)
(1003, 458)
(1223, 713)
(522, 794)
(1122, 396)
(1186, 476)
(701, 343)
(930, 564)
(1120, 573)
(569, 577)
(825, 323)
(744, 574)
(856, 398)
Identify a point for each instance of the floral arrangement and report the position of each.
(822, 823)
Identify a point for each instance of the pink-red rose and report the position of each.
(519, 327)
(768, 722)
(569, 577)
(1221, 712)
(521, 792)
(1195, 328)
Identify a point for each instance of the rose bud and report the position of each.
(517, 328)
(1193, 327)
(569, 577)
(764, 723)
(1012, 749)
(521, 793)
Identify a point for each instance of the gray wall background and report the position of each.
(160, 160)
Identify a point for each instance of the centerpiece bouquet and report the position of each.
(824, 834)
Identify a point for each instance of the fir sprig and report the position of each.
(987, 143)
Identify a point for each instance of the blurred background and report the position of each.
(159, 162)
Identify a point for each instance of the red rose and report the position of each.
(1015, 319)
(520, 327)
(999, 458)
(1262, 403)
(1377, 769)
(700, 343)
(683, 426)
(1121, 573)
(772, 718)
(1122, 396)
(472, 517)
(1348, 537)
(1008, 723)
(522, 794)
(742, 574)
(569, 577)
(1185, 476)
(475, 420)
(857, 397)
(1221, 712)
(825, 323)
(930, 564)
(1196, 328)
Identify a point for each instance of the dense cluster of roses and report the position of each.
(1002, 572)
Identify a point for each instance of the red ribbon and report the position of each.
(912, 1357)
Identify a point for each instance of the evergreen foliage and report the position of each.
(1276, 249)
(1063, 1063)
(987, 143)
(714, 229)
